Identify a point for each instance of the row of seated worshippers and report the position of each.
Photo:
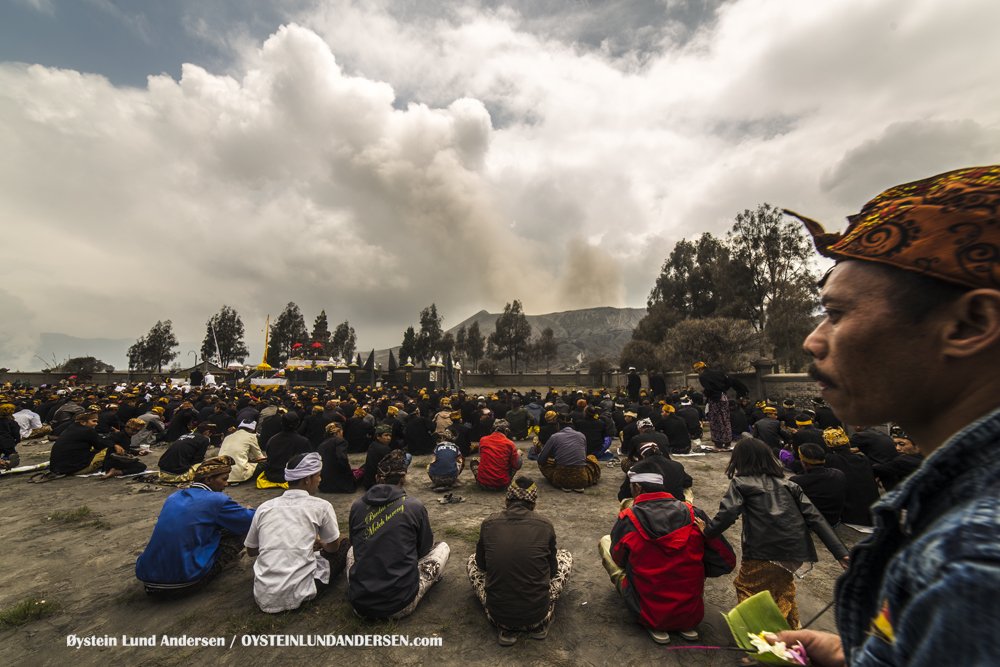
(390, 558)
(389, 555)
(842, 475)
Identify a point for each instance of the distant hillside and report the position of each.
(583, 335)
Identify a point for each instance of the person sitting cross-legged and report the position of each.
(393, 560)
(498, 459)
(517, 572)
(285, 536)
(564, 461)
(658, 558)
(198, 534)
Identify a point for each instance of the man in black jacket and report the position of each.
(825, 487)
(281, 447)
(676, 430)
(633, 385)
(393, 561)
(894, 471)
(878, 447)
(517, 572)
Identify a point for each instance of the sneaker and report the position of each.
(659, 637)
(690, 635)
(540, 633)
(507, 638)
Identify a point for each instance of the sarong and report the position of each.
(230, 551)
(718, 420)
(95, 464)
(564, 560)
(431, 569)
(572, 477)
(264, 483)
(756, 576)
(177, 479)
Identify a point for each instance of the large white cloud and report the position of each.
(369, 164)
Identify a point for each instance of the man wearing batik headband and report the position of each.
(285, 535)
(198, 534)
(658, 559)
(517, 572)
(393, 560)
(912, 336)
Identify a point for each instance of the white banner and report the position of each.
(273, 382)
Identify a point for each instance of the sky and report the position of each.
(159, 160)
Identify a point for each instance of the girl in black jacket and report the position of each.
(777, 517)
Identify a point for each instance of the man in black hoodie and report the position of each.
(393, 560)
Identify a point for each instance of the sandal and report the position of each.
(43, 477)
(450, 498)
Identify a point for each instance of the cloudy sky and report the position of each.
(159, 160)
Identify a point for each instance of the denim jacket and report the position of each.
(924, 588)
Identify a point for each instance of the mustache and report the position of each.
(816, 374)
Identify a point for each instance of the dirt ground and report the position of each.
(87, 568)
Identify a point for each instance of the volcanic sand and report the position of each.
(87, 567)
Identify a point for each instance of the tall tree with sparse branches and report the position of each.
(288, 329)
(228, 331)
(343, 341)
(474, 344)
(512, 333)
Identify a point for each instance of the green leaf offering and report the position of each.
(756, 615)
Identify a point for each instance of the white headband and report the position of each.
(310, 464)
(250, 425)
(633, 477)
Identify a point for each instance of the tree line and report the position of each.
(510, 340)
(728, 301)
(225, 343)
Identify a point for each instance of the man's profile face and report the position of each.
(869, 361)
(385, 438)
(906, 446)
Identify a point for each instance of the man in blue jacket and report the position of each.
(912, 336)
(198, 534)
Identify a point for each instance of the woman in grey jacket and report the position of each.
(777, 517)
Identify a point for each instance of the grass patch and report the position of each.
(471, 536)
(255, 622)
(707, 467)
(592, 493)
(78, 517)
(27, 610)
(73, 516)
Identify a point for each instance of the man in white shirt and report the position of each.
(286, 533)
(30, 423)
(242, 445)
